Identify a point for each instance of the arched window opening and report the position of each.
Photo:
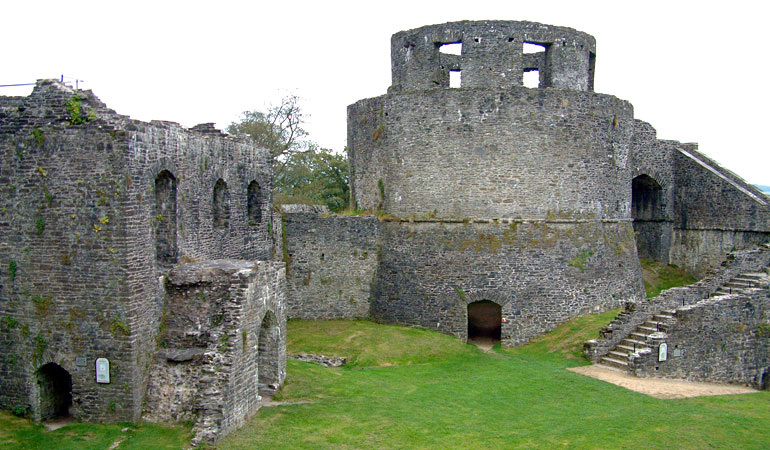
(253, 204)
(54, 390)
(484, 322)
(165, 217)
(268, 369)
(221, 206)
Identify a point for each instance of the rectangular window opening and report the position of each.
(455, 79)
(452, 48)
(531, 47)
(531, 78)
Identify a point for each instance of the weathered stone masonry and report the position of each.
(95, 209)
(539, 200)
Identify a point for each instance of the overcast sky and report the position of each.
(696, 72)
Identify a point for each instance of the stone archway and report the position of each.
(54, 387)
(268, 354)
(484, 321)
(648, 211)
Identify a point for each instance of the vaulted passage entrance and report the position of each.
(55, 390)
(484, 321)
(648, 211)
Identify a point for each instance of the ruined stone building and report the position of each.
(137, 271)
(141, 274)
(499, 202)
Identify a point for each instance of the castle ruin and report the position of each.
(141, 268)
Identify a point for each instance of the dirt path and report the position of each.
(659, 387)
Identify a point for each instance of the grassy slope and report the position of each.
(659, 277)
(445, 394)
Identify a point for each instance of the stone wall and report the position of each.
(85, 237)
(332, 263)
(715, 212)
(541, 273)
(223, 338)
(723, 339)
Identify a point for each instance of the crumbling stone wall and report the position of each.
(332, 262)
(79, 260)
(212, 359)
(724, 339)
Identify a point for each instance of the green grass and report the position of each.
(659, 277)
(22, 434)
(425, 390)
(412, 389)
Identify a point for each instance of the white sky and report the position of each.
(697, 73)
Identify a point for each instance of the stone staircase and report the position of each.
(637, 340)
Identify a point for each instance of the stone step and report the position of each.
(734, 283)
(616, 354)
(637, 336)
(634, 343)
(752, 275)
(646, 329)
(668, 312)
(616, 363)
(662, 318)
(626, 348)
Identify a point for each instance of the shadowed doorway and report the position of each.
(55, 390)
(484, 322)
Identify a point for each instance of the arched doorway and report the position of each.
(268, 369)
(484, 321)
(54, 390)
(648, 211)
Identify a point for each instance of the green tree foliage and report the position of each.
(302, 172)
(278, 130)
(314, 176)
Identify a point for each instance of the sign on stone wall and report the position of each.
(663, 352)
(102, 370)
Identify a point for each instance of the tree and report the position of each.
(278, 130)
(314, 176)
(302, 172)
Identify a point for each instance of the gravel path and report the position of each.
(660, 387)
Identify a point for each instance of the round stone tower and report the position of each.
(492, 191)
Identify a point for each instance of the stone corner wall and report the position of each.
(223, 337)
(332, 263)
(724, 339)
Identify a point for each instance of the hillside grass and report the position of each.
(417, 389)
(659, 277)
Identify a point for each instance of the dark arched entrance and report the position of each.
(55, 391)
(484, 321)
(268, 352)
(648, 211)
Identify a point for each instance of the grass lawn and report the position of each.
(412, 388)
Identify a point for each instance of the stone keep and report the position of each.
(97, 214)
(508, 194)
(537, 199)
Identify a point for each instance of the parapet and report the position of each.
(492, 54)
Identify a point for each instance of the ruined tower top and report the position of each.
(491, 54)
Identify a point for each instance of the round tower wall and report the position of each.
(480, 153)
(492, 55)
